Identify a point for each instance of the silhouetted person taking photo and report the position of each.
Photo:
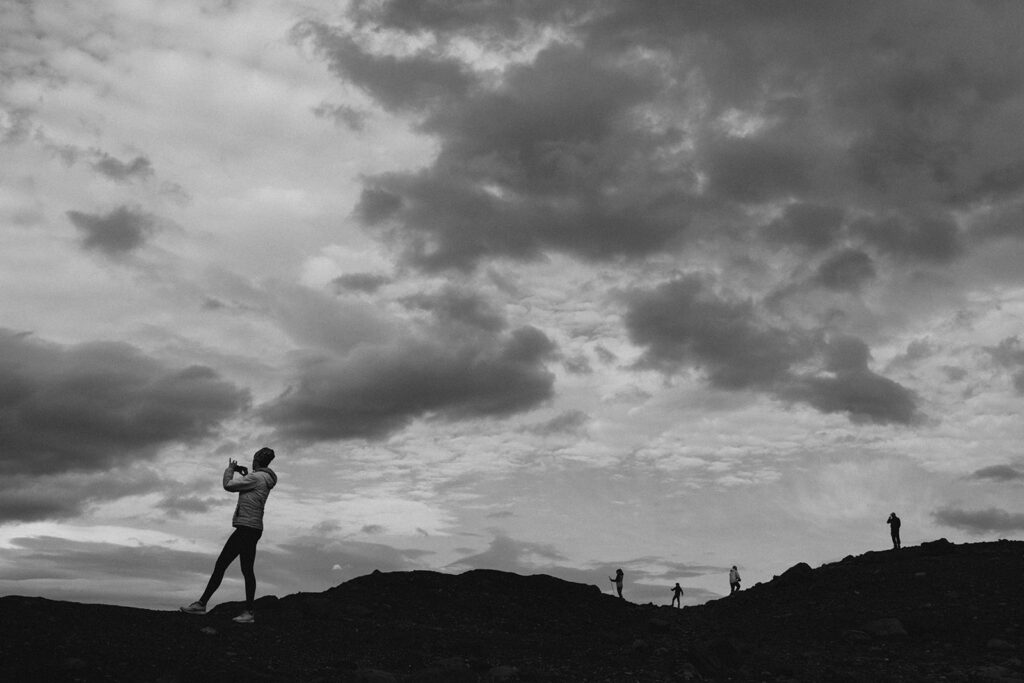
(894, 530)
(734, 580)
(677, 595)
(253, 489)
(617, 581)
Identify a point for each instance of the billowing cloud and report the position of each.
(628, 120)
(989, 520)
(849, 386)
(685, 323)
(375, 390)
(121, 231)
(524, 165)
(92, 406)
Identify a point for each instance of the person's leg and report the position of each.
(232, 547)
(248, 561)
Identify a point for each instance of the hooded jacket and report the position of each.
(734, 576)
(253, 490)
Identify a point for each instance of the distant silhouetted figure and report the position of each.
(617, 581)
(677, 595)
(734, 580)
(253, 490)
(894, 530)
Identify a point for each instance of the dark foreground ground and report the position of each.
(935, 612)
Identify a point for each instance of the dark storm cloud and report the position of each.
(998, 473)
(375, 390)
(121, 231)
(990, 520)
(845, 271)
(863, 395)
(637, 116)
(813, 226)
(751, 170)
(452, 305)
(928, 239)
(852, 388)
(115, 169)
(684, 323)
(32, 497)
(525, 166)
(19, 504)
(91, 406)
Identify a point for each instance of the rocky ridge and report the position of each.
(934, 612)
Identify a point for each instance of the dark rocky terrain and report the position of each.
(935, 612)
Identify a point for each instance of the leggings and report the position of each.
(241, 544)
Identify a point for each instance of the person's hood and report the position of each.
(273, 475)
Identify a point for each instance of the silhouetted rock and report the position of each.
(934, 612)
(798, 573)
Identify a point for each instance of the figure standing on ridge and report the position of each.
(734, 580)
(253, 490)
(894, 530)
(677, 595)
(617, 581)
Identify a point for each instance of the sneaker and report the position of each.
(244, 618)
(195, 608)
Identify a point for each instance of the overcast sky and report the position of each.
(530, 285)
